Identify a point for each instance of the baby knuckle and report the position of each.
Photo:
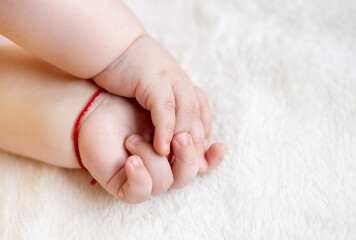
(190, 109)
(199, 142)
(162, 73)
(169, 127)
(197, 115)
(190, 161)
(168, 105)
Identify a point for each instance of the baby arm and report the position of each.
(81, 37)
(104, 40)
(38, 106)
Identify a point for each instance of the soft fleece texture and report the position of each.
(281, 78)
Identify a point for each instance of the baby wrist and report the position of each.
(98, 97)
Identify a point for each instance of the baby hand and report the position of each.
(104, 147)
(149, 73)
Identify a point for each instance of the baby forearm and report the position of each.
(81, 37)
(38, 107)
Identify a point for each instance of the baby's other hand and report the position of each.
(105, 141)
(102, 136)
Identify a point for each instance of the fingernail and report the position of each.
(135, 139)
(183, 139)
(203, 164)
(135, 162)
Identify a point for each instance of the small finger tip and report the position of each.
(135, 162)
(163, 152)
(165, 149)
(134, 139)
(162, 148)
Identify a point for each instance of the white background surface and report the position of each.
(281, 78)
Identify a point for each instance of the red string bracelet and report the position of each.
(76, 131)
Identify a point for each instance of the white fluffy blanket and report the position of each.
(281, 78)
